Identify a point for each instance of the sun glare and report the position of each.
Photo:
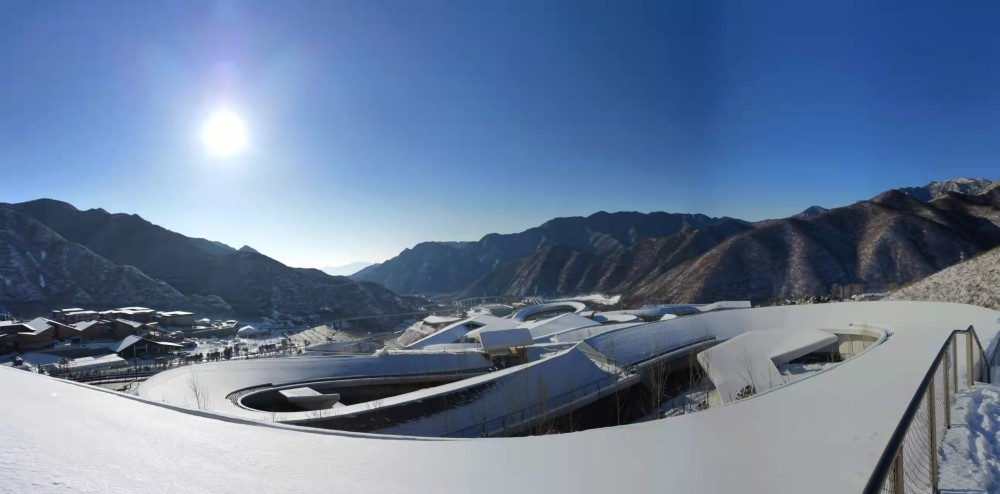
(224, 134)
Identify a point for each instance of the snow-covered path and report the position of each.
(970, 452)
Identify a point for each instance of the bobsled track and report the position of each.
(827, 433)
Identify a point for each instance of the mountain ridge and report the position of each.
(882, 242)
(436, 267)
(251, 283)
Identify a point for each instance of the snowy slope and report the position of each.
(970, 452)
(975, 281)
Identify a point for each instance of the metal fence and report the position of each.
(909, 463)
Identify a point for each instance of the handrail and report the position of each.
(886, 461)
(993, 354)
(988, 363)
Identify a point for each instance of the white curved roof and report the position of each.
(220, 379)
(832, 426)
(569, 306)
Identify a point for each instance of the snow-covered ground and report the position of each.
(823, 434)
(975, 281)
(970, 452)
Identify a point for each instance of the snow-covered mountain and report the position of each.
(935, 190)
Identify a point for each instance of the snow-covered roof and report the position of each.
(542, 329)
(609, 317)
(82, 325)
(503, 339)
(583, 333)
(129, 322)
(127, 342)
(133, 339)
(517, 388)
(466, 327)
(432, 319)
(175, 313)
(221, 378)
(750, 359)
(836, 421)
(39, 324)
(533, 310)
(95, 361)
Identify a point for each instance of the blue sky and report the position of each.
(375, 125)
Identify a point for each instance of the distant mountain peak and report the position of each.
(812, 212)
(935, 190)
(247, 248)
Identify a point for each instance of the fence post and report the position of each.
(897, 473)
(954, 361)
(947, 393)
(968, 358)
(931, 426)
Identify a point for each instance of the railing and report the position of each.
(910, 461)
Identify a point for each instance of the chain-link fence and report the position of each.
(910, 462)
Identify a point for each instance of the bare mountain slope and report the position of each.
(450, 266)
(566, 270)
(878, 244)
(253, 284)
(40, 270)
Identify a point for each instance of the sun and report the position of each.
(224, 134)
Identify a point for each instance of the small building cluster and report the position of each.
(144, 315)
(76, 339)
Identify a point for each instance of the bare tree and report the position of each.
(199, 390)
(746, 362)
